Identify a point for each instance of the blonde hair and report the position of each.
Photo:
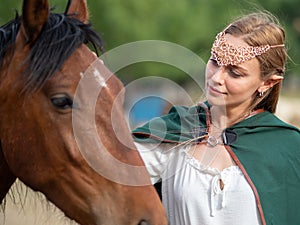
(258, 29)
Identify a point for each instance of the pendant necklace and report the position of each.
(212, 141)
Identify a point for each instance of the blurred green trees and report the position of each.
(190, 23)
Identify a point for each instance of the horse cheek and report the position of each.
(7, 177)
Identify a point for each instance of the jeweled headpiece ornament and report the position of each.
(226, 54)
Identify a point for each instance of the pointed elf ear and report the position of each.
(78, 9)
(35, 15)
(269, 83)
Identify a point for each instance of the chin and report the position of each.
(213, 101)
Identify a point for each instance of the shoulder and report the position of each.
(266, 121)
(281, 126)
(268, 128)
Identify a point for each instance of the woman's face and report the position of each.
(233, 86)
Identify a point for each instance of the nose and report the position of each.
(218, 76)
(143, 222)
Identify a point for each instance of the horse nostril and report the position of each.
(143, 222)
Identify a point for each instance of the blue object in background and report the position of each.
(146, 109)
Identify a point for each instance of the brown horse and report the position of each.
(43, 56)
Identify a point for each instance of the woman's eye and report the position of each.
(214, 62)
(63, 102)
(234, 74)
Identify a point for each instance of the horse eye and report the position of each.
(62, 102)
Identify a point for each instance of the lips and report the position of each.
(215, 91)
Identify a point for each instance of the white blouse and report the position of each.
(191, 193)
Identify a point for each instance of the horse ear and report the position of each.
(78, 9)
(35, 14)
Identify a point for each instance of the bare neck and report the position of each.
(222, 117)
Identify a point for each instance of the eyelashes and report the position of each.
(231, 70)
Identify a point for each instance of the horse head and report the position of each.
(43, 58)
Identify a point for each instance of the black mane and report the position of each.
(8, 34)
(59, 38)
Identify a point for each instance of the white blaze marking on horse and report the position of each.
(99, 78)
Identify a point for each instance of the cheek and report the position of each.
(241, 88)
(208, 72)
(234, 87)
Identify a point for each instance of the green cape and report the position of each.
(267, 150)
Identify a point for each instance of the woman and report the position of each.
(230, 161)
